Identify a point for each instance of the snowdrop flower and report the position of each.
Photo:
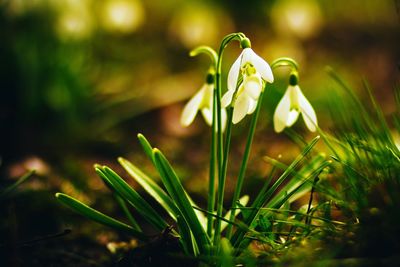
(291, 105)
(255, 71)
(202, 100)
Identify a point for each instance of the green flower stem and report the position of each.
(211, 185)
(211, 189)
(221, 182)
(245, 160)
(218, 88)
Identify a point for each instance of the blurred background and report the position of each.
(80, 78)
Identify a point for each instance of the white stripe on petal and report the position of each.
(241, 107)
(191, 108)
(308, 113)
(282, 112)
(262, 67)
(234, 73)
(292, 117)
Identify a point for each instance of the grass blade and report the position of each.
(97, 216)
(148, 149)
(151, 187)
(128, 214)
(244, 200)
(12, 187)
(179, 195)
(262, 199)
(124, 190)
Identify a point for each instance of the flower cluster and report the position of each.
(246, 80)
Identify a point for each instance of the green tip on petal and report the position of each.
(210, 78)
(245, 43)
(293, 78)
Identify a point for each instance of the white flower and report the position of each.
(289, 108)
(254, 70)
(202, 100)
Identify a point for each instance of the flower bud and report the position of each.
(245, 43)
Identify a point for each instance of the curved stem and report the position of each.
(227, 39)
(205, 50)
(211, 187)
(245, 160)
(222, 161)
(283, 62)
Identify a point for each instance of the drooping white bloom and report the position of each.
(254, 71)
(202, 100)
(289, 108)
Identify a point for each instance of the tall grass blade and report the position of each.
(179, 195)
(97, 216)
(124, 190)
(151, 187)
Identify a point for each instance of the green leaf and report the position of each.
(187, 241)
(241, 203)
(148, 149)
(298, 178)
(151, 187)
(124, 190)
(128, 214)
(264, 197)
(226, 257)
(97, 216)
(12, 187)
(179, 195)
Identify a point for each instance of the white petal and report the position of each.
(262, 67)
(227, 98)
(308, 113)
(207, 115)
(252, 106)
(282, 112)
(241, 108)
(234, 73)
(292, 117)
(191, 108)
(253, 86)
(224, 118)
